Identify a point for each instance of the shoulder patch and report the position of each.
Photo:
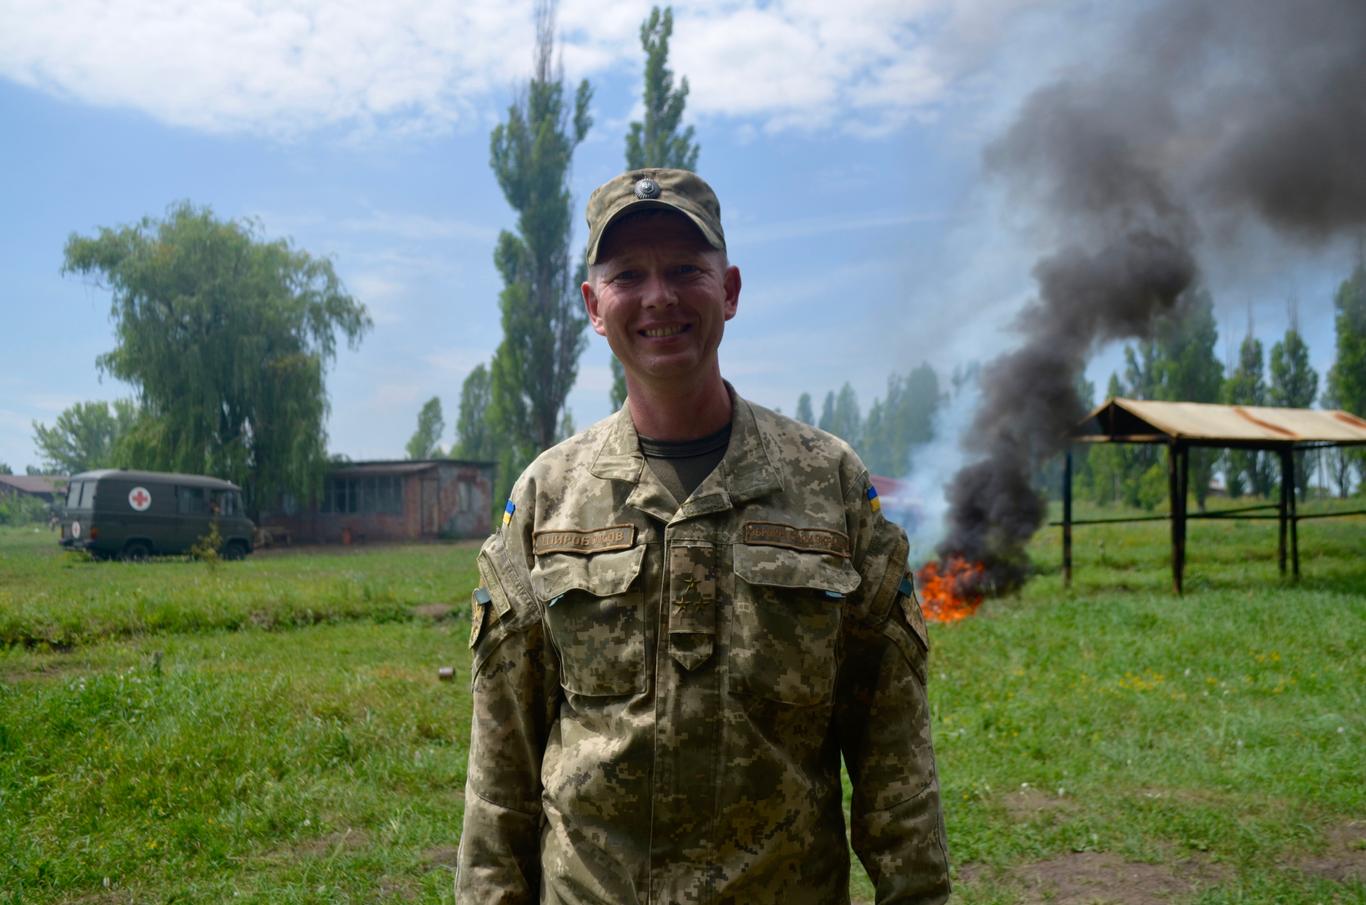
(617, 537)
(809, 540)
(873, 502)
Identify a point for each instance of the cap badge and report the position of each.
(647, 189)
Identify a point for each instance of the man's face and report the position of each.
(661, 295)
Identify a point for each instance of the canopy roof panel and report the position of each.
(1141, 420)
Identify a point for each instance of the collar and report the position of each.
(748, 470)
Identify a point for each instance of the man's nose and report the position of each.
(658, 292)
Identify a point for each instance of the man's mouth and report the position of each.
(658, 332)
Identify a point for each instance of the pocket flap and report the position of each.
(784, 568)
(600, 574)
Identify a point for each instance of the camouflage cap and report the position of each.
(633, 190)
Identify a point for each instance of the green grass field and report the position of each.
(274, 731)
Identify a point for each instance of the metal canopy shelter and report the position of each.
(1181, 425)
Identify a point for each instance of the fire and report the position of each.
(949, 590)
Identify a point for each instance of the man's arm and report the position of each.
(883, 720)
(515, 690)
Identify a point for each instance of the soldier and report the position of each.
(691, 611)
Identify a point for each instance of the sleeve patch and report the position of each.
(479, 605)
(873, 502)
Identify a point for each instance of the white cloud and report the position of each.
(413, 65)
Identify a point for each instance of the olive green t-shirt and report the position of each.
(681, 465)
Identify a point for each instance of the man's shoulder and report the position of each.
(572, 458)
(792, 439)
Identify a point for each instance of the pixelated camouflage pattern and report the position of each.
(664, 724)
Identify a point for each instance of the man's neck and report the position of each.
(677, 413)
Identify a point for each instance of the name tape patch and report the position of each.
(811, 540)
(617, 537)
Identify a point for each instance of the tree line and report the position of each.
(226, 337)
(1179, 363)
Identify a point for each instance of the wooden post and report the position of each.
(1183, 460)
(1067, 519)
(1294, 520)
(1173, 489)
(1283, 509)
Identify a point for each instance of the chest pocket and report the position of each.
(785, 630)
(595, 616)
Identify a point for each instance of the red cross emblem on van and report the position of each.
(139, 499)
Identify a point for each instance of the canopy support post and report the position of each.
(1067, 519)
(1176, 486)
(1283, 508)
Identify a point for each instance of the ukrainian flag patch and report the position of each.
(510, 508)
(873, 501)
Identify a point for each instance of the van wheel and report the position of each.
(235, 550)
(136, 551)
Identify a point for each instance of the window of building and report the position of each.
(372, 494)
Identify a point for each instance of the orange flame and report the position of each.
(948, 590)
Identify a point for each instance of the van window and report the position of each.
(191, 501)
(88, 494)
(73, 495)
(226, 502)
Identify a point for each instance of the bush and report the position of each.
(22, 509)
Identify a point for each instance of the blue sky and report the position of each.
(844, 141)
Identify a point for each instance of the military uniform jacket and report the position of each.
(662, 693)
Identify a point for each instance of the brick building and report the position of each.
(393, 500)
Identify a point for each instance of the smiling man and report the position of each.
(691, 612)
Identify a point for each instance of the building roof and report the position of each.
(33, 483)
(396, 466)
(1147, 421)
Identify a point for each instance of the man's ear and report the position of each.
(731, 282)
(590, 303)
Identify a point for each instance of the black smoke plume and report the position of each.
(1210, 112)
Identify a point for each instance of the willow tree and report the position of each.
(537, 362)
(656, 140)
(226, 337)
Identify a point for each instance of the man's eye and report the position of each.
(626, 276)
(688, 269)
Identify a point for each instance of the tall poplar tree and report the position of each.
(1347, 377)
(537, 362)
(426, 440)
(656, 140)
(1294, 384)
(473, 434)
(1247, 386)
(1188, 370)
